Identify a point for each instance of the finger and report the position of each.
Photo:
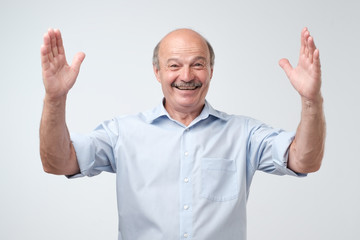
(286, 66)
(317, 58)
(312, 48)
(47, 44)
(44, 58)
(77, 60)
(59, 42)
(303, 41)
(306, 37)
(53, 42)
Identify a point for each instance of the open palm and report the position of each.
(306, 76)
(58, 76)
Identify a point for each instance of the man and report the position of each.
(183, 168)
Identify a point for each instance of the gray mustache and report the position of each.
(187, 84)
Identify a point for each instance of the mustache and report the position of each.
(187, 84)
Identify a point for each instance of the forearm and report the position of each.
(56, 150)
(307, 150)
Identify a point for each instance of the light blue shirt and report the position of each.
(183, 182)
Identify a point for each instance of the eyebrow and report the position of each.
(193, 60)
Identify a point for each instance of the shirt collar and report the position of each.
(159, 111)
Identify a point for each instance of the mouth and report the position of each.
(186, 86)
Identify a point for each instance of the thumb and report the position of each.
(286, 66)
(77, 60)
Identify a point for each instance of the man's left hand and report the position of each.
(306, 77)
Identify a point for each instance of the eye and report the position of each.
(199, 65)
(173, 66)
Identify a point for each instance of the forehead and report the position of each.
(183, 43)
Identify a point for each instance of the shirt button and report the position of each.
(186, 207)
(186, 180)
(186, 153)
(186, 235)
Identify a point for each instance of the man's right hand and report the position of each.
(56, 149)
(57, 75)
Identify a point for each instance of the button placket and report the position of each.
(186, 188)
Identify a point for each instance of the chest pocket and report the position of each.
(219, 179)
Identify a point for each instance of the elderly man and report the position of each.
(183, 168)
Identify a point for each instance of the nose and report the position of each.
(186, 74)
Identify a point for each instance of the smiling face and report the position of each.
(184, 71)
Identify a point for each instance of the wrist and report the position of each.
(313, 105)
(55, 100)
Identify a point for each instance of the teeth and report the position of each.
(186, 87)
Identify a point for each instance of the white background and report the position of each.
(249, 37)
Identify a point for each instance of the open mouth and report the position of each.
(186, 86)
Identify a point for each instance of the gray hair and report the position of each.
(155, 58)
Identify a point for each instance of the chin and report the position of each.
(190, 103)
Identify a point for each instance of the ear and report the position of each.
(157, 73)
(211, 72)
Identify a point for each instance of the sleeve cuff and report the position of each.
(84, 153)
(280, 154)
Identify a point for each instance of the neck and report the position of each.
(184, 115)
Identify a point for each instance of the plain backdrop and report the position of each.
(116, 78)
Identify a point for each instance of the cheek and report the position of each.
(168, 77)
(166, 80)
(204, 77)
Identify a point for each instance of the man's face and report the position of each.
(185, 71)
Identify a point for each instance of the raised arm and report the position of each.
(56, 150)
(307, 149)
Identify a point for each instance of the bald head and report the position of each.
(182, 36)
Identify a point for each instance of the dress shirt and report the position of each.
(182, 182)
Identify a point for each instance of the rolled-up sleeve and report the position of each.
(95, 151)
(269, 150)
(280, 154)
